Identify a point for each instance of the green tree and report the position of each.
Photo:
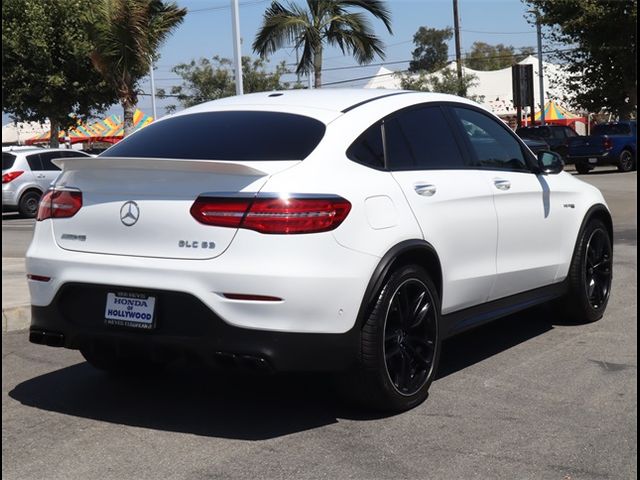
(484, 56)
(444, 81)
(46, 70)
(206, 80)
(126, 35)
(323, 22)
(601, 59)
(431, 52)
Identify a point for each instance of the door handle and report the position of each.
(502, 184)
(425, 189)
(40, 176)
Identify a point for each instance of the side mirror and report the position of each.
(550, 162)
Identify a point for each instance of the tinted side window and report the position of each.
(34, 162)
(421, 139)
(46, 158)
(558, 133)
(7, 160)
(492, 143)
(569, 132)
(368, 149)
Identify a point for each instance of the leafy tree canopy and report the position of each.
(445, 81)
(206, 80)
(602, 66)
(46, 70)
(431, 52)
(484, 56)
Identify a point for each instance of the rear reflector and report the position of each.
(608, 143)
(9, 176)
(59, 204)
(273, 215)
(38, 278)
(255, 298)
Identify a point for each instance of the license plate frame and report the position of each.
(134, 310)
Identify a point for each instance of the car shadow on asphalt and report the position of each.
(195, 400)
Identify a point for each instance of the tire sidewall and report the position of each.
(22, 205)
(391, 396)
(579, 274)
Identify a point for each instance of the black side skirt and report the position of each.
(460, 321)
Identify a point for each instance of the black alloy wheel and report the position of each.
(590, 275)
(410, 332)
(625, 162)
(598, 269)
(400, 343)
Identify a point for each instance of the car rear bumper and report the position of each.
(593, 160)
(185, 327)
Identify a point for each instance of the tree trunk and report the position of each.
(129, 109)
(55, 132)
(317, 67)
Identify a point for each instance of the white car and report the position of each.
(28, 172)
(342, 230)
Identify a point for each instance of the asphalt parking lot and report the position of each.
(527, 397)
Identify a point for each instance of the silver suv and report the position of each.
(27, 173)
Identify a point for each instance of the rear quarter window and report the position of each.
(234, 136)
(7, 160)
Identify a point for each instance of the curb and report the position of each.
(16, 318)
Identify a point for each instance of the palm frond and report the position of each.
(281, 26)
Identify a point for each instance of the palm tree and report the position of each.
(126, 35)
(322, 22)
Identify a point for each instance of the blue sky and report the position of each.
(206, 31)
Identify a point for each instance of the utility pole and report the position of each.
(456, 25)
(540, 72)
(237, 52)
(153, 91)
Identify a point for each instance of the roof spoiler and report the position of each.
(141, 163)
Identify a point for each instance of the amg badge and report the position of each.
(196, 244)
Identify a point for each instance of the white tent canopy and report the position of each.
(16, 133)
(494, 87)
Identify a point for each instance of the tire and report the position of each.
(109, 360)
(582, 168)
(400, 343)
(626, 162)
(28, 204)
(590, 275)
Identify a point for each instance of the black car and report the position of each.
(536, 145)
(556, 136)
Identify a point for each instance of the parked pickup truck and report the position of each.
(609, 144)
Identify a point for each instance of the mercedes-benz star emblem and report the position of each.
(129, 213)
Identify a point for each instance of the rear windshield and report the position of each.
(533, 132)
(612, 129)
(236, 135)
(7, 160)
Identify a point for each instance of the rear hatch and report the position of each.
(137, 196)
(141, 207)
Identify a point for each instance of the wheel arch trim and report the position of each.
(394, 256)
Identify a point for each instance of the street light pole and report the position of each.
(153, 91)
(456, 26)
(237, 52)
(540, 71)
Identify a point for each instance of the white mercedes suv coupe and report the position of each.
(335, 230)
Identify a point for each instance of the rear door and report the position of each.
(529, 212)
(452, 203)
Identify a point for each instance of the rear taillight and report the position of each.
(59, 204)
(607, 143)
(10, 176)
(273, 215)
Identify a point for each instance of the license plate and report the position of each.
(129, 309)
(593, 160)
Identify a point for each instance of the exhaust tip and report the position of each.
(44, 337)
